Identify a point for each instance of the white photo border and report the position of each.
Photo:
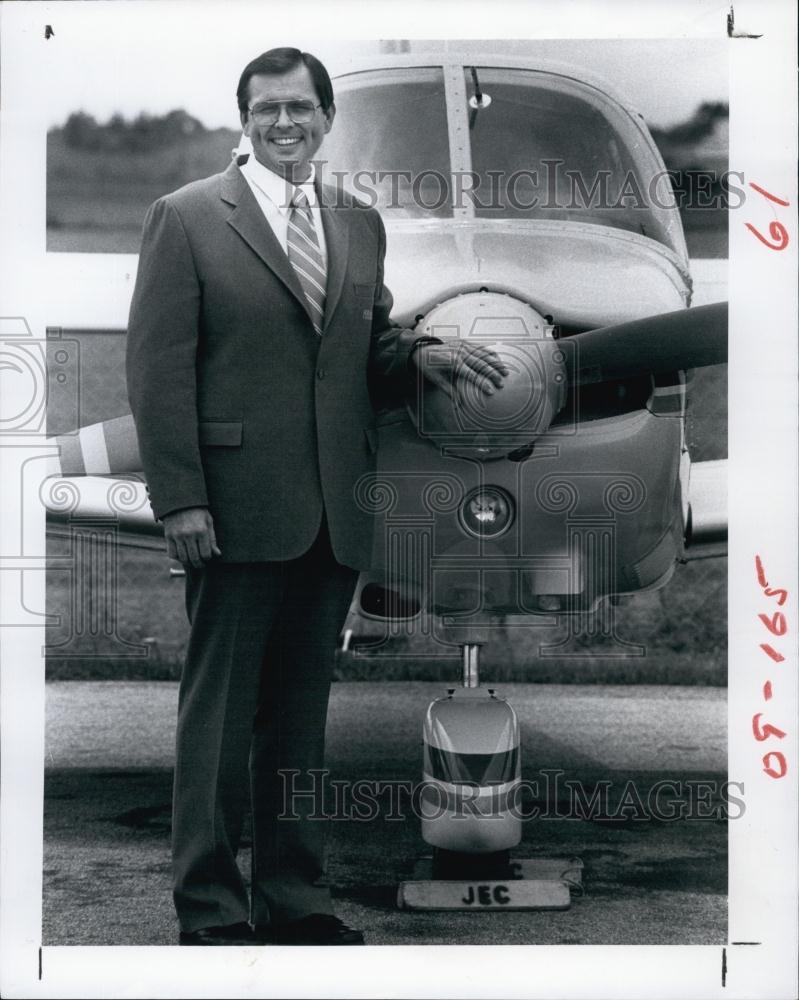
(763, 520)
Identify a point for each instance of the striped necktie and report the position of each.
(302, 245)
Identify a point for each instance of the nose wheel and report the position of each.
(471, 744)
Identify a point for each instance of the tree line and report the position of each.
(142, 134)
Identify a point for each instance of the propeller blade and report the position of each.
(688, 338)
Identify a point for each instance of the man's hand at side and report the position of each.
(190, 536)
(444, 364)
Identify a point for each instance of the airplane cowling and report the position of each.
(470, 422)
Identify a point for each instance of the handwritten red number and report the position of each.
(766, 194)
(766, 731)
(770, 592)
(774, 762)
(772, 772)
(776, 231)
(777, 624)
(773, 593)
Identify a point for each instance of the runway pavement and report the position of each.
(647, 880)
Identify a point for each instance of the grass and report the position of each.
(136, 629)
(96, 200)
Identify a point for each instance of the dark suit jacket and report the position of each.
(239, 406)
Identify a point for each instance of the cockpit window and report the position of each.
(389, 145)
(543, 150)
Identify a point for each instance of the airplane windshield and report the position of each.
(530, 145)
(389, 145)
(542, 149)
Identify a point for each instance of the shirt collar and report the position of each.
(275, 187)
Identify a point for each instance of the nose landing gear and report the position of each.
(471, 813)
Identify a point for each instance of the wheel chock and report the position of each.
(532, 884)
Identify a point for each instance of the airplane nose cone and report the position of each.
(534, 390)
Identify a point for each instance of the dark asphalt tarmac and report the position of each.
(109, 757)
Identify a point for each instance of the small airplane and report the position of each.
(526, 207)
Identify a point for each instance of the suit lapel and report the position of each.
(336, 226)
(248, 221)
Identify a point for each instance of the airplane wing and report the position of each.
(94, 458)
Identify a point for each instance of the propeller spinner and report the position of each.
(469, 422)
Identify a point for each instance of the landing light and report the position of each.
(487, 512)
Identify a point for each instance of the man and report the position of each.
(258, 315)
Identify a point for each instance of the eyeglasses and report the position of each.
(300, 112)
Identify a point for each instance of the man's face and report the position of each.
(286, 147)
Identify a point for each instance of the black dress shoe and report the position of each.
(318, 928)
(230, 934)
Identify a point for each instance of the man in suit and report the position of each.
(259, 314)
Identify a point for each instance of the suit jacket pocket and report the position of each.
(225, 433)
(364, 291)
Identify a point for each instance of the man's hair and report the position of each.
(277, 61)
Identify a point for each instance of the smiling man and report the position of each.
(259, 314)
(286, 118)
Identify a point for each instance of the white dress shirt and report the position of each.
(273, 194)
